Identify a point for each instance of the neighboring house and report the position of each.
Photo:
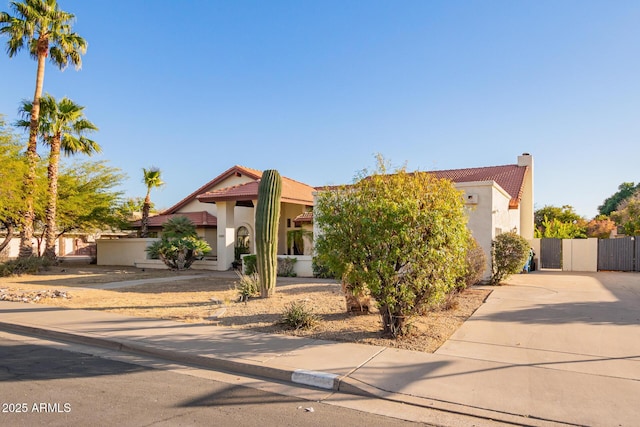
(499, 199)
(224, 215)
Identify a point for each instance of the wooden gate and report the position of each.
(551, 253)
(618, 254)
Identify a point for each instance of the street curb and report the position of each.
(315, 379)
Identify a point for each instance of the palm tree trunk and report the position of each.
(9, 235)
(52, 202)
(144, 222)
(26, 234)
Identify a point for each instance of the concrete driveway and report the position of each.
(586, 322)
(570, 323)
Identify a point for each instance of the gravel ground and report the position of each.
(213, 299)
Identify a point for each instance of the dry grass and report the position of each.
(192, 301)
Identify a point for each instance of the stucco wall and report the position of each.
(488, 212)
(197, 206)
(121, 251)
(580, 254)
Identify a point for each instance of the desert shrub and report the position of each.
(476, 262)
(20, 266)
(298, 315)
(402, 235)
(247, 286)
(285, 267)
(250, 264)
(509, 252)
(179, 245)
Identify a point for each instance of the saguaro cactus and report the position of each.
(267, 218)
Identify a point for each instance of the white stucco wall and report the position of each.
(197, 206)
(580, 254)
(122, 251)
(488, 210)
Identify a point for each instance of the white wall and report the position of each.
(580, 254)
(488, 214)
(122, 251)
(197, 206)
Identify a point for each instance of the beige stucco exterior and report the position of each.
(526, 206)
(122, 251)
(231, 216)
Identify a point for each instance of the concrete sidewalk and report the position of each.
(513, 361)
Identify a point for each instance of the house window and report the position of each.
(288, 222)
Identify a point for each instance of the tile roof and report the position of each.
(304, 217)
(201, 219)
(251, 173)
(292, 192)
(248, 190)
(509, 177)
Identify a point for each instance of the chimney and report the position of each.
(525, 160)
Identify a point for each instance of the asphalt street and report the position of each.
(42, 385)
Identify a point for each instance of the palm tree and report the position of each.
(63, 128)
(151, 180)
(46, 32)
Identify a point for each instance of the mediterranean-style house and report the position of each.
(498, 198)
(224, 215)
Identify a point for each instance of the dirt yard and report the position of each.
(212, 298)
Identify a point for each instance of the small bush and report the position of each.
(476, 262)
(509, 252)
(179, 245)
(285, 267)
(250, 264)
(298, 316)
(247, 286)
(21, 266)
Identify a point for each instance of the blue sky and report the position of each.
(316, 88)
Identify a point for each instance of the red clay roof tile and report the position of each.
(292, 192)
(200, 219)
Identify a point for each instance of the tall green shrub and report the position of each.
(267, 218)
(509, 252)
(401, 236)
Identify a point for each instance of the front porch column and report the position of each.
(226, 234)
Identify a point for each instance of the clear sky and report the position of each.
(316, 88)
